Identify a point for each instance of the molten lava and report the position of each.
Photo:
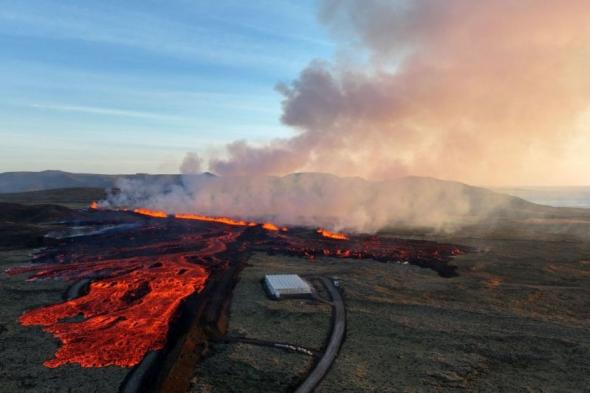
(151, 213)
(269, 226)
(124, 316)
(139, 280)
(141, 276)
(221, 220)
(332, 235)
(197, 217)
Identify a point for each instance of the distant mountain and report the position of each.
(70, 197)
(424, 198)
(462, 199)
(410, 198)
(46, 180)
(340, 203)
(308, 199)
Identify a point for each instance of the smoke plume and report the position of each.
(485, 92)
(315, 199)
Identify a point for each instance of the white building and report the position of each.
(286, 285)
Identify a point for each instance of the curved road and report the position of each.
(336, 338)
(272, 344)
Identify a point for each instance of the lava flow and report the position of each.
(269, 226)
(141, 275)
(151, 213)
(332, 235)
(124, 316)
(221, 220)
(139, 278)
(197, 217)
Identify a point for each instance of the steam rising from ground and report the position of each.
(486, 92)
(313, 199)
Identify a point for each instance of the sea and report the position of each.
(552, 196)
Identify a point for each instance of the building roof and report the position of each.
(281, 282)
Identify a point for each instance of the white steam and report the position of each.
(312, 199)
(486, 92)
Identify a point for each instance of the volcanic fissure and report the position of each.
(164, 286)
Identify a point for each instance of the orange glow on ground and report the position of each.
(332, 235)
(122, 317)
(132, 300)
(151, 213)
(222, 220)
(269, 226)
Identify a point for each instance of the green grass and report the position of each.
(516, 319)
(249, 368)
(74, 198)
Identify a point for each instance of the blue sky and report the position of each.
(131, 86)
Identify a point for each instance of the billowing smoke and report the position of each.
(191, 164)
(485, 92)
(315, 199)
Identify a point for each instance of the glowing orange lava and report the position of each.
(332, 235)
(269, 226)
(141, 277)
(151, 213)
(222, 220)
(123, 317)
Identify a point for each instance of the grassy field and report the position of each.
(250, 368)
(516, 319)
(74, 198)
(24, 226)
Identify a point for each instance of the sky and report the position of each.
(131, 86)
(492, 93)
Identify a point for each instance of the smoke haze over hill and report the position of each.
(314, 199)
(487, 93)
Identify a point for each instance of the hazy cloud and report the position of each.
(483, 92)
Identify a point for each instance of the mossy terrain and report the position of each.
(74, 198)
(515, 319)
(252, 368)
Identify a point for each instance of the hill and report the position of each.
(552, 196)
(71, 197)
(11, 182)
(348, 203)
